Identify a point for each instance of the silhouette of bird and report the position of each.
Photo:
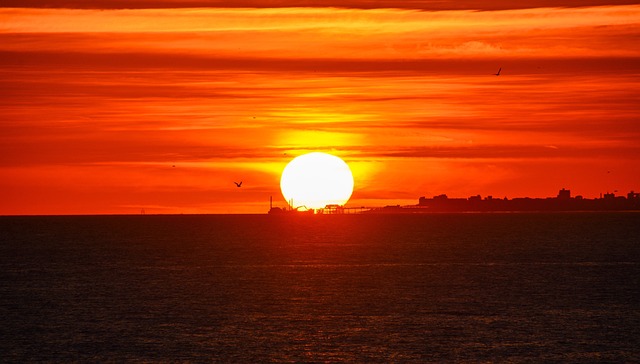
(498, 74)
(238, 184)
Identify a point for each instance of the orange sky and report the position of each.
(110, 110)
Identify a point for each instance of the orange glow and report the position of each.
(114, 111)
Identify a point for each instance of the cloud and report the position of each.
(359, 4)
(345, 34)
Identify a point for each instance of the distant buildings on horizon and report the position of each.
(562, 202)
(442, 203)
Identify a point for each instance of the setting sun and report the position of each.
(315, 180)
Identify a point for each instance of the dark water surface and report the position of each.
(561, 287)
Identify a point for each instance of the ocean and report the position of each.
(503, 287)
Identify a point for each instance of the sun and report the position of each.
(315, 180)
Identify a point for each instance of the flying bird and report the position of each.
(498, 74)
(238, 184)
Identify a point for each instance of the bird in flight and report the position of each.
(498, 74)
(238, 184)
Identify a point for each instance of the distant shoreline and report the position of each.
(563, 202)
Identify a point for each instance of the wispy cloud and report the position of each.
(359, 4)
(372, 34)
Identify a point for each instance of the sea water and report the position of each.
(525, 287)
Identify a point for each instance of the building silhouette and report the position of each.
(562, 202)
(443, 203)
